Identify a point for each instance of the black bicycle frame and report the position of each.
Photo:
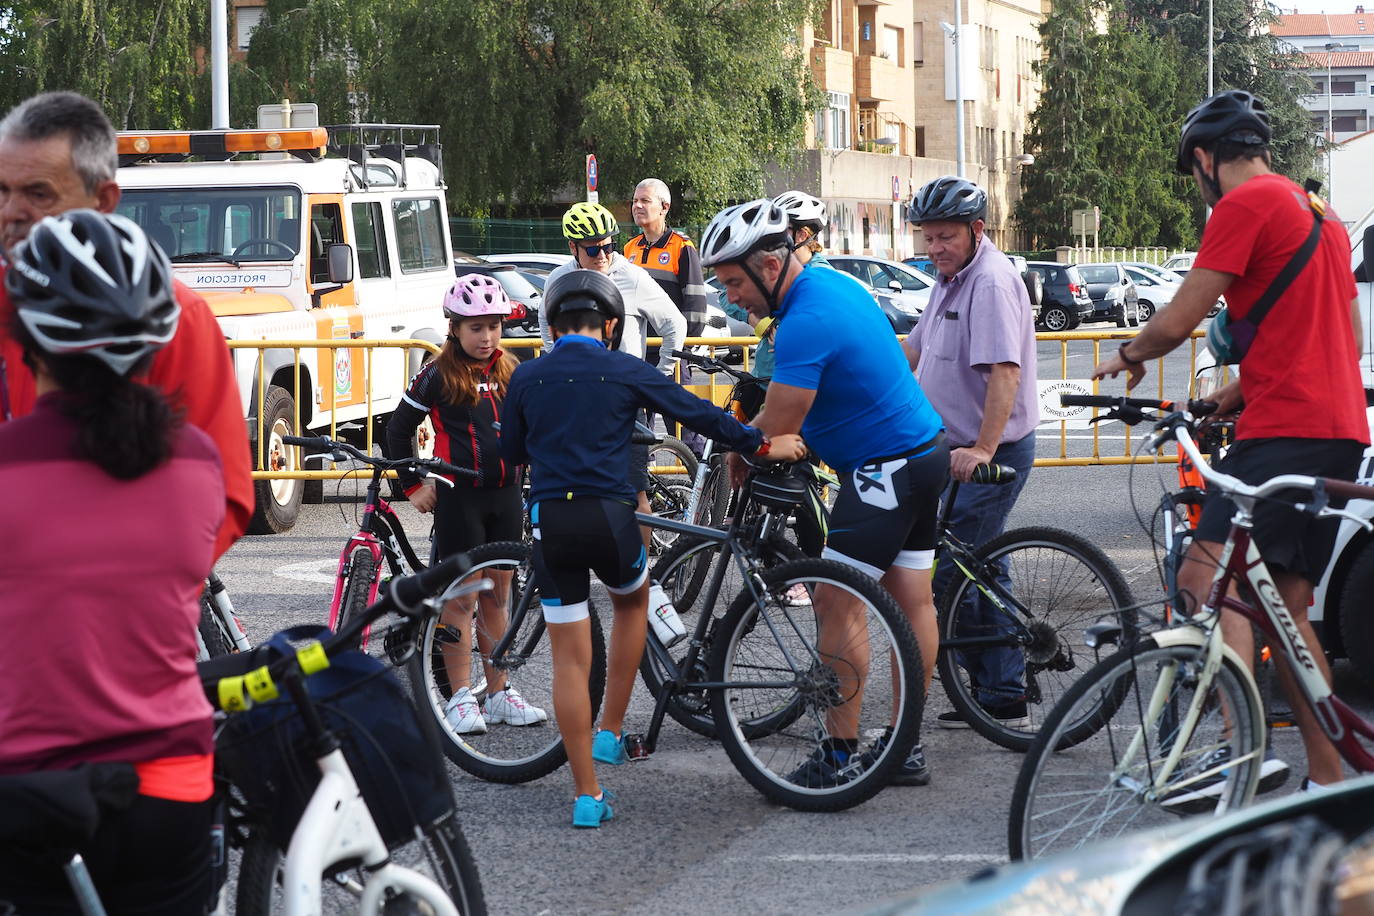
(382, 522)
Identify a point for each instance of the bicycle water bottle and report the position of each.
(668, 626)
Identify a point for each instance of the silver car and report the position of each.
(909, 287)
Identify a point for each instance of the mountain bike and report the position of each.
(340, 799)
(1029, 591)
(380, 535)
(771, 687)
(1178, 723)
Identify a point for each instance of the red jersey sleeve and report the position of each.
(16, 381)
(196, 372)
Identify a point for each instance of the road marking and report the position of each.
(895, 858)
(321, 571)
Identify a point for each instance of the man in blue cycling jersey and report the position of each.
(841, 379)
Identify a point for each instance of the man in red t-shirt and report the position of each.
(58, 153)
(1299, 382)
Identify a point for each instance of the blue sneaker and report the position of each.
(590, 812)
(607, 748)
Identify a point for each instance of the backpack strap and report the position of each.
(1295, 264)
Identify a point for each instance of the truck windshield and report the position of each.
(218, 224)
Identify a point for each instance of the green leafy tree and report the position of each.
(1106, 129)
(137, 58)
(700, 93)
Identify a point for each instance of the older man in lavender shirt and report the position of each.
(973, 353)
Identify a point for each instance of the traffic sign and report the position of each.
(591, 172)
(896, 188)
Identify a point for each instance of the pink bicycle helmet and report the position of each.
(476, 294)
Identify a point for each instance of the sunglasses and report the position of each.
(594, 250)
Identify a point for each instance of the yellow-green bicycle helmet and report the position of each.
(588, 221)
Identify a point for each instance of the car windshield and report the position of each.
(515, 284)
(215, 224)
(1098, 274)
(910, 279)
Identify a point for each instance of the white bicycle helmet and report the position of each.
(88, 282)
(738, 231)
(803, 209)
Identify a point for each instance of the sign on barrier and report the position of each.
(1051, 411)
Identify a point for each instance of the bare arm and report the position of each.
(912, 348)
(1357, 326)
(1003, 382)
(784, 409)
(1171, 325)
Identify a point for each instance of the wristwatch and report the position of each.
(1121, 352)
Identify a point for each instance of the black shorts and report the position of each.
(153, 857)
(887, 510)
(575, 536)
(468, 517)
(1288, 540)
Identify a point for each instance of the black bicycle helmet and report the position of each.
(1233, 115)
(88, 282)
(581, 290)
(948, 199)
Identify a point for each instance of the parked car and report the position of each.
(1155, 291)
(924, 265)
(1181, 263)
(1114, 294)
(537, 260)
(523, 323)
(901, 281)
(1035, 287)
(1066, 301)
(1157, 270)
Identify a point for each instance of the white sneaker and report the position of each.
(463, 714)
(798, 596)
(510, 707)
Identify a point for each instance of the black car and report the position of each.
(1065, 301)
(1114, 294)
(523, 322)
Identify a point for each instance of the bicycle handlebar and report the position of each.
(421, 466)
(1130, 410)
(711, 366)
(226, 679)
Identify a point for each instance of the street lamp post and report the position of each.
(1330, 121)
(953, 31)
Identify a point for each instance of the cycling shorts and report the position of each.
(1288, 540)
(468, 517)
(887, 510)
(576, 536)
(152, 857)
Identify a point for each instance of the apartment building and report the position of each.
(1338, 56)
(887, 70)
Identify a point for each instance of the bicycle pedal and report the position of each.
(636, 748)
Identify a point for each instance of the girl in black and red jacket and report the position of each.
(462, 391)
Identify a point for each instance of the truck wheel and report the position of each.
(278, 501)
(1357, 626)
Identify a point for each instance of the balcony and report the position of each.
(832, 69)
(874, 125)
(875, 79)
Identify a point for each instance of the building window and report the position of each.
(918, 42)
(919, 139)
(246, 19)
(892, 45)
(832, 124)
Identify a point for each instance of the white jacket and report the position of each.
(647, 307)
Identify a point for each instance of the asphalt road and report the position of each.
(690, 836)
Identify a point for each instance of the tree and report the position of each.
(700, 93)
(136, 58)
(1105, 132)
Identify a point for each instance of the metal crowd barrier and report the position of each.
(1162, 382)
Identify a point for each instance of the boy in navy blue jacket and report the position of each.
(569, 415)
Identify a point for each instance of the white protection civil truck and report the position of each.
(307, 234)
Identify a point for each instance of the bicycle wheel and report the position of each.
(504, 752)
(774, 669)
(713, 503)
(1104, 786)
(1060, 585)
(215, 638)
(362, 572)
(670, 491)
(683, 572)
(443, 855)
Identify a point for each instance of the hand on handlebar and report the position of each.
(964, 461)
(425, 498)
